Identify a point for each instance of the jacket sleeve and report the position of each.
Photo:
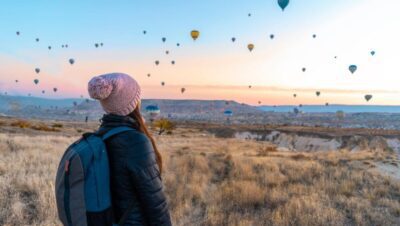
(146, 179)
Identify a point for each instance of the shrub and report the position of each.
(21, 124)
(57, 125)
(164, 125)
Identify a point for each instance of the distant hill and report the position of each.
(333, 108)
(8, 103)
(37, 107)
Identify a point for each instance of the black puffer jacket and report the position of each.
(135, 177)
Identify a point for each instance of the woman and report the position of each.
(135, 162)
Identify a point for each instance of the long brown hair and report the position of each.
(137, 116)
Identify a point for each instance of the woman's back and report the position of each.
(135, 178)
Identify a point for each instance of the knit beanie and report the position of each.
(118, 93)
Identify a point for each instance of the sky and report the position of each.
(212, 67)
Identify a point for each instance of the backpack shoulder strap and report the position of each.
(116, 131)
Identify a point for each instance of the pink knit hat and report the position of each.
(118, 93)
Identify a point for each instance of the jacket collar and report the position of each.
(111, 120)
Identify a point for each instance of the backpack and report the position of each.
(82, 186)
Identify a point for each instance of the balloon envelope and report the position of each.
(368, 97)
(71, 61)
(353, 68)
(372, 53)
(195, 34)
(318, 93)
(228, 113)
(37, 70)
(250, 47)
(164, 39)
(36, 81)
(283, 4)
(183, 90)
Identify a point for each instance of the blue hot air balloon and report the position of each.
(153, 111)
(228, 113)
(372, 52)
(283, 4)
(353, 68)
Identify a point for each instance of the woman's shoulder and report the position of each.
(134, 136)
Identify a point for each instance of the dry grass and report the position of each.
(214, 181)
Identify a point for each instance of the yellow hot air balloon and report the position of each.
(250, 47)
(195, 34)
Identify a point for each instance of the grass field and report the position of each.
(212, 181)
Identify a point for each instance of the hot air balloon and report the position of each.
(37, 70)
(17, 33)
(153, 111)
(271, 36)
(167, 52)
(314, 36)
(55, 89)
(96, 45)
(49, 47)
(340, 114)
(157, 62)
(250, 47)
(163, 83)
(164, 39)
(144, 32)
(259, 102)
(183, 90)
(173, 62)
(62, 46)
(233, 39)
(296, 111)
(326, 104)
(37, 39)
(148, 75)
(71, 61)
(177, 44)
(368, 97)
(283, 4)
(228, 113)
(294, 95)
(300, 105)
(335, 57)
(43, 91)
(304, 69)
(101, 44)
(353, 68)
(195, 34)
(372, 52)
(66, 45)
(318, 93)
(249, 15)
(249, 87)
